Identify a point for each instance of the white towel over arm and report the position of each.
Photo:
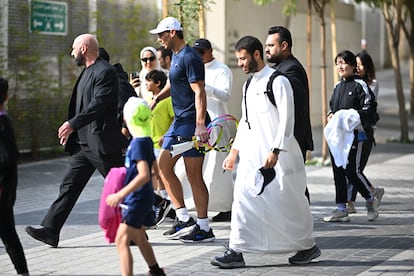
(339, 134)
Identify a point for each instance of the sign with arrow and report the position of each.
(48, 17)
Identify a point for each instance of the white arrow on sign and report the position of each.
(59, 25)
(37, 23)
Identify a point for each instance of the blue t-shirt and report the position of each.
(186, 67)
(139, 149)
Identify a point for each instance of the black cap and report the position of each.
(202, 43)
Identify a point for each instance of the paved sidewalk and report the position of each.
(359, 247)
(371, 248)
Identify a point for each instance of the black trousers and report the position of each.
(353, 173)
(366, 151)
(79, 169)
(8, 232)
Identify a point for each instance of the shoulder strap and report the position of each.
(245, 100)
(248, 82)
(269, 87)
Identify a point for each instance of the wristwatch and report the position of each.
(275, 150)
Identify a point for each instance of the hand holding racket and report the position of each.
(222, 131)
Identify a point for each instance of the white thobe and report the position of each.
(279, 220)
(218, 84)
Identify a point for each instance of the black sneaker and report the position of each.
(44, 235)
(305, 256)
(171, 214)
(198, 235)
(222, 216)
(162, 211)
(179, 228)
(231, 259)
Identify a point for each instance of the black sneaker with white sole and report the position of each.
(305, 256)
(179, 228)
(198, 235)
(162, 210)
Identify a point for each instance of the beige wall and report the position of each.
(230, 20)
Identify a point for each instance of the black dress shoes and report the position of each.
(43, 235)
(222, 216)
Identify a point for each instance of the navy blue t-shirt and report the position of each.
(141, 200)
(186, 67)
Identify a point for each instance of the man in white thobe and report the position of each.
(218, 83)
(275, 218)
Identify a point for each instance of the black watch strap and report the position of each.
(275, 150)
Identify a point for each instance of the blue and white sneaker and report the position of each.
(198, 235)
(179, 228)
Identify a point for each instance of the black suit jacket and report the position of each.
(98, 110)
(294, 70)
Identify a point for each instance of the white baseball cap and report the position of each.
(167, 24)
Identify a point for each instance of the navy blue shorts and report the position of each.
(184, 132)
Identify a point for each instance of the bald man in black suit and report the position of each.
(91, 134)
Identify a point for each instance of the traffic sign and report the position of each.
(48, 17)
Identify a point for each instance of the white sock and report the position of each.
(203, 223)
(182, 214)
(163, 193)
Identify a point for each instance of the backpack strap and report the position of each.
(269, 87)
(245, 100)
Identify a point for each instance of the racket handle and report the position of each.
(180, 148)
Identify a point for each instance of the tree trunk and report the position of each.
(201, 23)
(323, 77)
(323, 87)
(333, 35)
(309, 60)
(389, 14)
(412, 82)
(164, 8)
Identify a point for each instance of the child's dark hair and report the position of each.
(157, 76)
(4, 87)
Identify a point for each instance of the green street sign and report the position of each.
(48, 17)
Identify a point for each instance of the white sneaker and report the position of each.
(372, 209)
(351, 208)
(378, 193)
(337, 216)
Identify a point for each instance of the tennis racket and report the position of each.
(221, 131)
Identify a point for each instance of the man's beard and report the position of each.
(80, 60)
(273, 59)
(252, 66)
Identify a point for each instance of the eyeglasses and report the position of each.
(339, 63)
(148, 59)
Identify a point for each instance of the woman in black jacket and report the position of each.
(8, 186)
(352, 93)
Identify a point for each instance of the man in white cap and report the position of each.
(186, 88)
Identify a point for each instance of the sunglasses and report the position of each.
(147, 59)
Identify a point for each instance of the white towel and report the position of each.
(339, 134)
